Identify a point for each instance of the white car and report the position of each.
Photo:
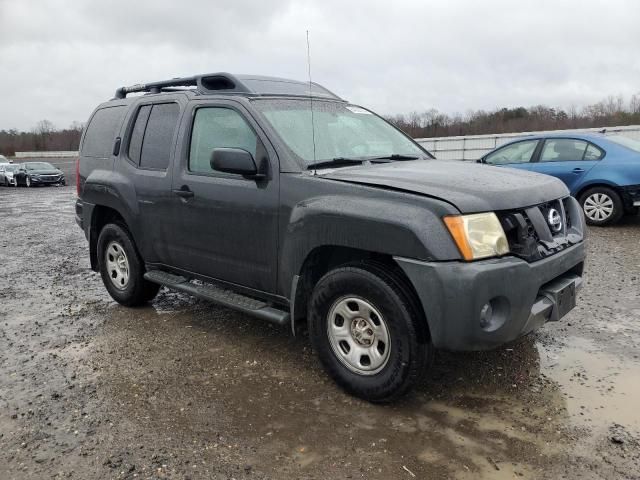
(6, 174)
(4, 159)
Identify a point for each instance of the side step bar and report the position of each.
(226, 298)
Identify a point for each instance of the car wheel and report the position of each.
(122, 268)
(368, 331)
(6, 182)
(602, 206)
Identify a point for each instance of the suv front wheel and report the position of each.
(121, 267)
(367, 330)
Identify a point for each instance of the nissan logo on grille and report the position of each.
(554, 219)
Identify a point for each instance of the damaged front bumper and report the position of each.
(482, 305)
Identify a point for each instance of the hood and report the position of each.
(470, 187)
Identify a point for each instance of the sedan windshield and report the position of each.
(39, 166)
(10, 168)
(625, 142)
(340, 131)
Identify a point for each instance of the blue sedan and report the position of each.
(601, 171)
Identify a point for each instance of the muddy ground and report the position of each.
(184, 389)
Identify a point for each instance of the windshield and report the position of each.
(10, 168)
(340, 130)
(40, 166)
(625, 142)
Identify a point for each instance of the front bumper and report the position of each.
(47, 180)
(524, 296)
(631, 196)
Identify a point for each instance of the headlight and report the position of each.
(477, 236)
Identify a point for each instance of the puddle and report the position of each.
(599, 388)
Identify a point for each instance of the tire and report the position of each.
(117, 254)
(372, 292)
(6, 182)
(602, 206)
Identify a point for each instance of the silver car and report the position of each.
(7, 171)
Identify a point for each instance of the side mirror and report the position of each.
(234, 160)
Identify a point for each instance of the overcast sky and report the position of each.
(60, 58)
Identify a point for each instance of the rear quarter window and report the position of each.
(101, 132)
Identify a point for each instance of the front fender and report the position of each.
(394, 224)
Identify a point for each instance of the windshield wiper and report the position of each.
(395, 156)
(335, 162)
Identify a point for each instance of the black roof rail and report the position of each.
(203, 83)
(235, 84)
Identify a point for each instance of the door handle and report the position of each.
(184, 192)
(578, 170)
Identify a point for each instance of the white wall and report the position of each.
(45, 154)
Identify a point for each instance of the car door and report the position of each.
(224, 226)
(514, 155)
(568, 159)
(145, 159)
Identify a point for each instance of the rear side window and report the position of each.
(218, 127)
(101, 132)
(135, 144)
(152, 135)
(563, 150)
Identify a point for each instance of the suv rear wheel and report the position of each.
(121, 267)
(365, 327)
(602, 206)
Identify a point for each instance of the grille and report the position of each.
(540, 231)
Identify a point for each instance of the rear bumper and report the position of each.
(79, 217)
(523, 296)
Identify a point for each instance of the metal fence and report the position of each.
(472, 147)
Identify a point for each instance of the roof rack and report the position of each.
(226, 83)
(213, 81)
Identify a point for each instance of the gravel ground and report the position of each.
(184, 389)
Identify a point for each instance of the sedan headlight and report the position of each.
(477, 236)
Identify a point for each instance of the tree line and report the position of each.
(612, 111)
(43, 137)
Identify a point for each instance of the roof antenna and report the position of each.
(313, 127)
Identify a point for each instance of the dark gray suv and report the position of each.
(279, 199)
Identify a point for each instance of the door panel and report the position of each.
(145, 159)
(225, 225)
(567, 159)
